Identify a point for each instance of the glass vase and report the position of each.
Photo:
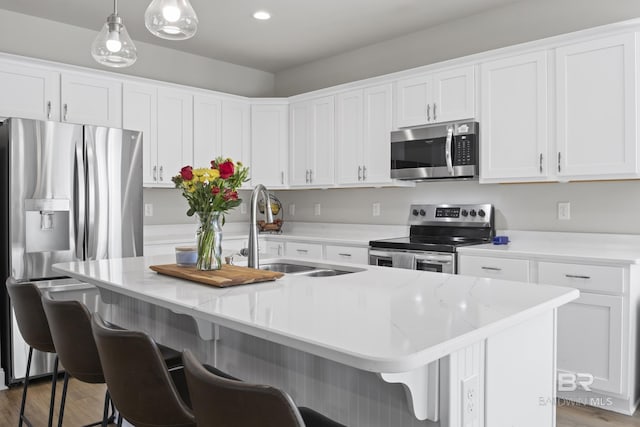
(209, 241)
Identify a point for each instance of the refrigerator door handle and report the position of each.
(80, 200)
(91, 197)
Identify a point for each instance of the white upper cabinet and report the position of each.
(514, 119)
(175, 133)
(596, 109)
(140, 112)
(29, 92)
(91, 100)
(311, 148)
(207, 128)
(270, 145)
(363, 126)
(221, 127)
(236, 130)
(236, 133)
(437, 97)
(165, 117)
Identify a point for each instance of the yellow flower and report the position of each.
(214, 173)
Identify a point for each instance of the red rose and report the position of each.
(230, 195)
(214, 164)
(215, 190)
(187, 173)
(226, 169)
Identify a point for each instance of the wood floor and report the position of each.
(84, 406)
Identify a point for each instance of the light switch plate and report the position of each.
(148, 209)
(292, 209)
(316, 209)
(564, 210)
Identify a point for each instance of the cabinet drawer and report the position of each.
(306, 250)
(347, 254)
(595, 278)
(495, 268)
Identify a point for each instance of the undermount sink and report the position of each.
(283, 267)
(310, 269)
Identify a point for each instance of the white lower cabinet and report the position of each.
(596, 336)
(495, 268)
(350, 254)
(590, 329)
(304, 250)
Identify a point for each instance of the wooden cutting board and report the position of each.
(229, 275)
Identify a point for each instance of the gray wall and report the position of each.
(169, 207)
(40, 38)
(516, 23)
(604, 207)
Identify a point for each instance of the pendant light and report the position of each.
(171, 19)
(113, 47)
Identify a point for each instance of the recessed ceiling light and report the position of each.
(262, 15)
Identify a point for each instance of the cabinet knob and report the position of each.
(359, 173)
(155, 173)
(48, 110)
(161, 173)
(364, 173)
(428, 112)
(65, 110)
(559, 157)
(540, 162)
(434, 111)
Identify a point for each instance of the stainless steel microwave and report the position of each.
(444, 151)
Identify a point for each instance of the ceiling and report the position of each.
(299, 31)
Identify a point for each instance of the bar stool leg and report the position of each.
(105, 412)
(63, 399)
(24, 390)
(54, 379)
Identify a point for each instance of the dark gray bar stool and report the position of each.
(70, 323)
(34, 327)
(222, 402)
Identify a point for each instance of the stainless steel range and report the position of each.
(435, 234)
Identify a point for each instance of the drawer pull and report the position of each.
(302, 251)
(347, 255)
(491, 268)
(577, 276)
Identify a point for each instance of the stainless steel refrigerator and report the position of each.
(69, 193)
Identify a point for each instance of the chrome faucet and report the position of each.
(254, 262)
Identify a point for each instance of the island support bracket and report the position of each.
(422, 389)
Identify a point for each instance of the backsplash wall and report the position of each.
(596, 207)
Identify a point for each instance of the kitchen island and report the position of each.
(379, 347)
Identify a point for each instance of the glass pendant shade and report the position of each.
(171, 19)
(113, 47)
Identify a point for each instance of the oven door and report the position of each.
(439, 262)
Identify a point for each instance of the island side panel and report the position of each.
(520, 386)
(351, 396)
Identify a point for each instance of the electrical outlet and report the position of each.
(148, 209)
(376, 209)
(292, 209)
(564, 210)
(316, 209)
(243, 208)
(470, 398)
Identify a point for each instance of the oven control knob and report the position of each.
(464, 212)
(481, 213)
(415, 212)
(422, 212)
(472, 213)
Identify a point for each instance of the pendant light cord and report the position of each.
(115, 7)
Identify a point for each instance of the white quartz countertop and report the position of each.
(584, 247)
(381, 319)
